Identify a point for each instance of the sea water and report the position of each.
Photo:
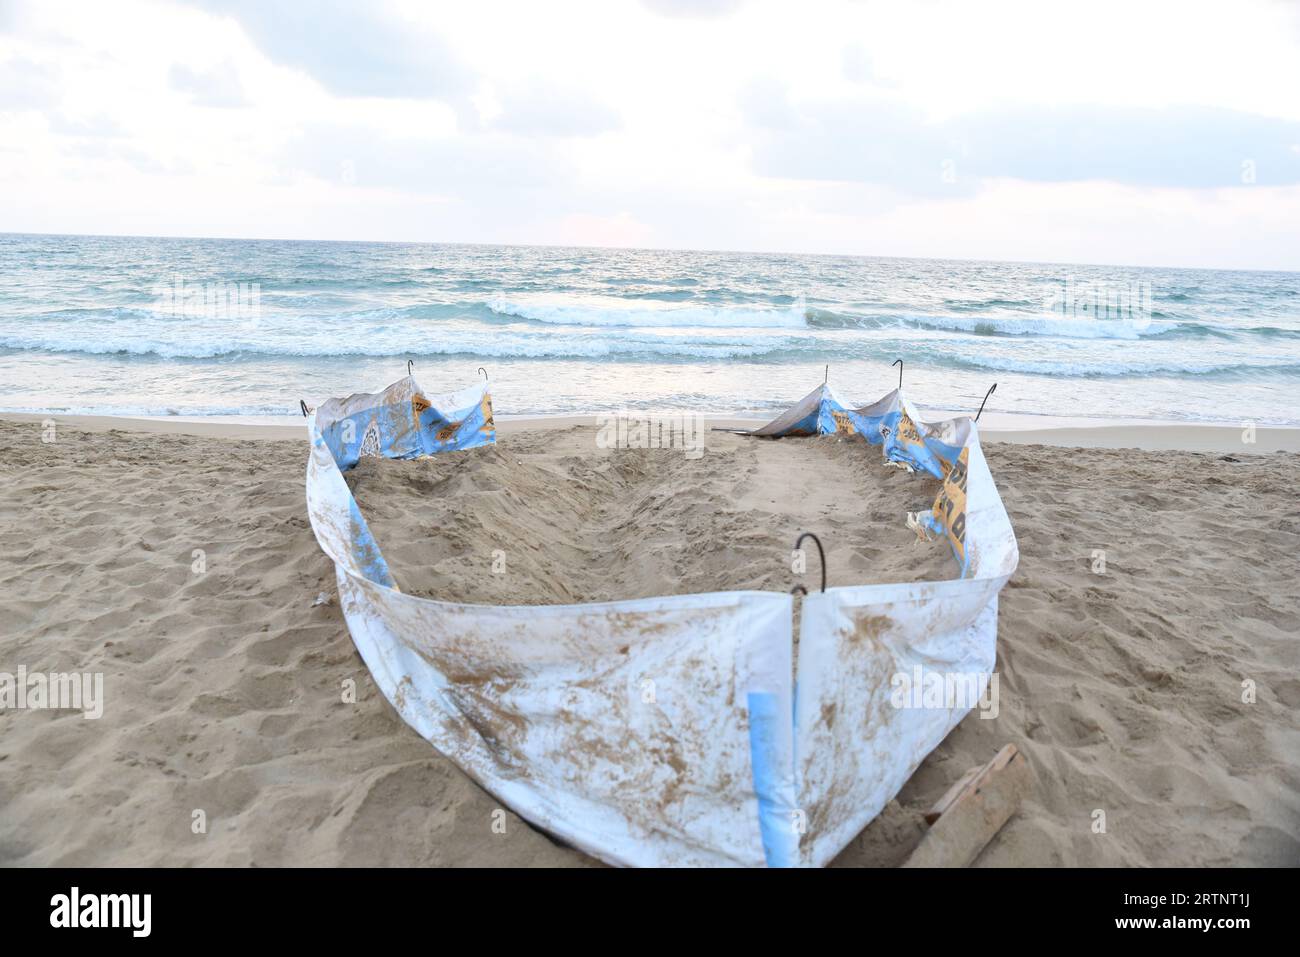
(152, 326)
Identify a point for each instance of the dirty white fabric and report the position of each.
(820, 412)
(668, 731)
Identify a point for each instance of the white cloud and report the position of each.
(448, 166)
(541, 110)
(882, 140)
(219, 86)
(352, 49)
(693, 9)
(1111, 132)
(27, 85)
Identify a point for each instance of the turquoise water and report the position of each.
(241, 327)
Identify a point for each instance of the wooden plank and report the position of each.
(973, 810)
(953, 793)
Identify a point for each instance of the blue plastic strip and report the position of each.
(774, 817)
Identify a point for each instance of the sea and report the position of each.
(249, 328)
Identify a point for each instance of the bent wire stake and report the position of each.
(484, 371)
(986, 398)
(303, 405)
(409, 363)
(899, 363)
(820, 554)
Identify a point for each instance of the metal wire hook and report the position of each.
(303, 405)
(820, 554)
(409, 363)
(484, 371)
(899, 363)
(986, 398)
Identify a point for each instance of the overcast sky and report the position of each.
(1131, 132)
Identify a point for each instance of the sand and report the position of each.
(569, 522)
(223, 686)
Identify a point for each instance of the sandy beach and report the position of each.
(177, 560)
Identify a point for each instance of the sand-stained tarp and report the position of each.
(667, 731)
(403, 422)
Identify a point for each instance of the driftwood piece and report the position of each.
(965, 819)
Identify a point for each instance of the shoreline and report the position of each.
(1144, 434)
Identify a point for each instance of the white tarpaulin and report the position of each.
(667, 731)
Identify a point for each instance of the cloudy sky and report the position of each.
(1130, 132)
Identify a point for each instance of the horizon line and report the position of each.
(647, 249)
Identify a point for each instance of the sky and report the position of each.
(1145, 133)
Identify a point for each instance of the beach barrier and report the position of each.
(668, 731)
